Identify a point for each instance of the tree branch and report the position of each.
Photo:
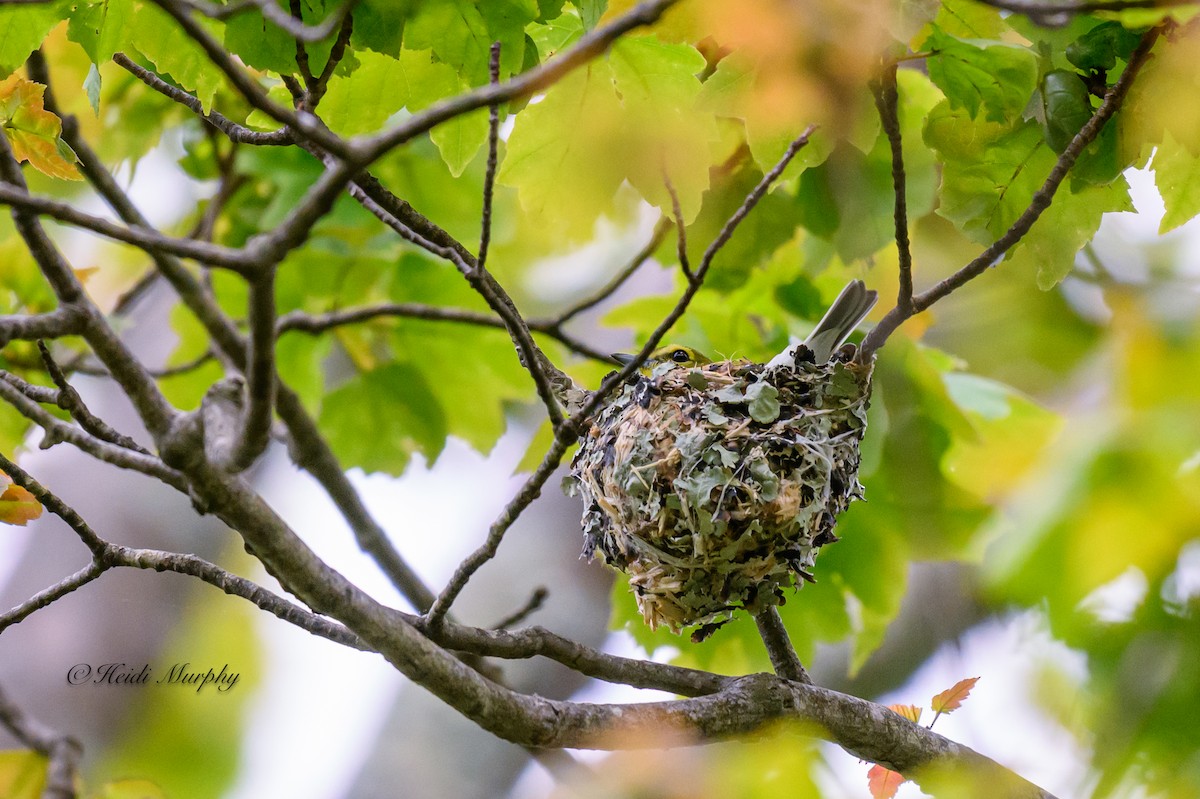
(291, 25)
(146, 239)
(69, 400)
(566, 434)
(56, 430)
(236, 133)
(1040, 202)
(155, 412)
(254, 429)
(887, 100)
(63, 751)
(250, 90)
(618, 280)
(66, 320)
(783, 656)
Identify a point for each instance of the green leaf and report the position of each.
(1177, 176)
(990, 170)
(659, 89)
(968, 19)
(91, 86)
(994, 77)
(1099, 48)
(377, 420)
(100, 28)
(556, 35)
(506, 21)
(552, 158)
(379, 25)
(590, 11)
(454, 30)
(264, 45)
(362, 101)
(1065, 107)
(1069, 223)
(771, 224)
(173, 52)
(22, 29)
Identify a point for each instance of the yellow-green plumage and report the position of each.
(676, 354)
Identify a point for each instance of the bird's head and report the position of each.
(675, 354)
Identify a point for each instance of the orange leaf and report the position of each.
(910, 712)
(952, 698)
(883, 783)
(84, 273)
(18, 506)
(32, 131)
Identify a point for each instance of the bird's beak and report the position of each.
(622, 358)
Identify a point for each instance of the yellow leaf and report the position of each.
(32, 131)
(84, 274)
(22, 774)
(18, 506)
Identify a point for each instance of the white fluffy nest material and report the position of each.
(714, 487)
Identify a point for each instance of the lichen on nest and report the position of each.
(714, 487)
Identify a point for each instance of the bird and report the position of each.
(848, 310)
(676, 354)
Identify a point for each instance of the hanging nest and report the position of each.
(714, 487)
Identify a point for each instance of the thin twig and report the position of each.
(779, 646)
(568, 432)
(144, 238)
(292, 25)
(618, 280)
(250, 89)
(301, 51)
(1035, 8)
(1038, 204)
(69, 400)
(56, 430)
(53, 504)
(489, 175)
(680, 230)
(62, 751)
(235, 132)
(531, 606)
(336, 54)
(887, 99)
(531, 357)
(152, 407)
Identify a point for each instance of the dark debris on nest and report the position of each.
(714, 487)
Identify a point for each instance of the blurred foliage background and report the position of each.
(1039, 428)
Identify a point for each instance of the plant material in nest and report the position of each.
(714, 487)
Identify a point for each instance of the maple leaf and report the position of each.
(32, 131)
(952, 698)
(18, 506)
(910, 712)
(883, 783)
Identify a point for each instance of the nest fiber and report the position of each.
(714, 487)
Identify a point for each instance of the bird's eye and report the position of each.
(680, 356)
